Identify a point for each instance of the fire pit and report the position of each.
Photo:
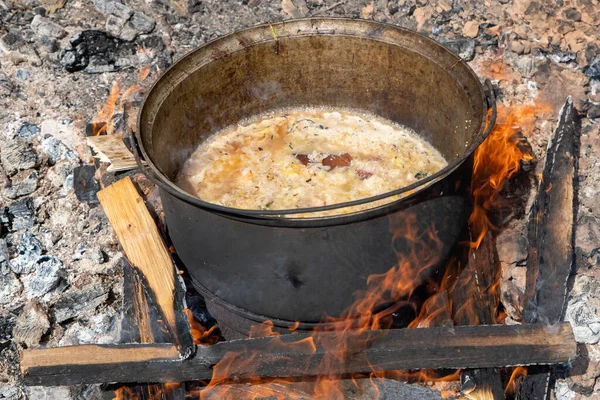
(301, 268)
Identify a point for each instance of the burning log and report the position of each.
(301, 354)
(147, 252)
(551, 239)
(476, 303)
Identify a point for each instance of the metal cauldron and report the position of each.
(272, 264)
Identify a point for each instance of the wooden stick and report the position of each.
(551, 239)
(302, 354)
(147, 252)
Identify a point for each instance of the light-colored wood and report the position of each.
(142, 243)
(111, 149)
(87, 354)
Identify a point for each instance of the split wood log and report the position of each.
(552, 240)
(146, 251)
(111, 149)
(140, 324)
(301, 354)
(475, 301)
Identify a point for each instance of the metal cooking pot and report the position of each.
(274, 264)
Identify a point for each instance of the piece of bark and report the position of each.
(146, 251)
(399, 349)
(551, 240)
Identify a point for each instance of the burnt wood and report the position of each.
(146, 251)
(476, 301)
(140, 324)
(301, 355)
(551, 239)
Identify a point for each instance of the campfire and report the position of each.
(476, 302)
(409, 324)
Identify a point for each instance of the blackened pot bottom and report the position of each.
(236, 323)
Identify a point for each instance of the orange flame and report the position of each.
(498, 159)
(200, 334)
(513, 384)
(115, 103)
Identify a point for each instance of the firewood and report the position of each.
(402, 349)
(475, 303)
(111, 149)
(551, 239)
(141, 324)
(146, 251)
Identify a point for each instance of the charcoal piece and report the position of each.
(593, 70)
(464, 48)
(46, 277)
(594, 112)
(31, 325)
(28, 130)
(19, 215)
(56, 150)
(17, 155)
(80, 302)
(22, 184)
(49, 44)
(3, 257)
(152, 42)
(85, 184)
(95, 52)
(11, 41)
(10, 287)
(113, 7)
(44, 27)
(29, 250)
(142, 23)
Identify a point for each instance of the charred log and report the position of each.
(302, 354)
(551, 239)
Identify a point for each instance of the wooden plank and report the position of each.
(97, 354)
(551, 239)
(111, 149)
(146, 251)
(475, 298)
(296, 355)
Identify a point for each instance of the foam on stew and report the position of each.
(307, 157)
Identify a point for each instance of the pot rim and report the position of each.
(157, 177)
